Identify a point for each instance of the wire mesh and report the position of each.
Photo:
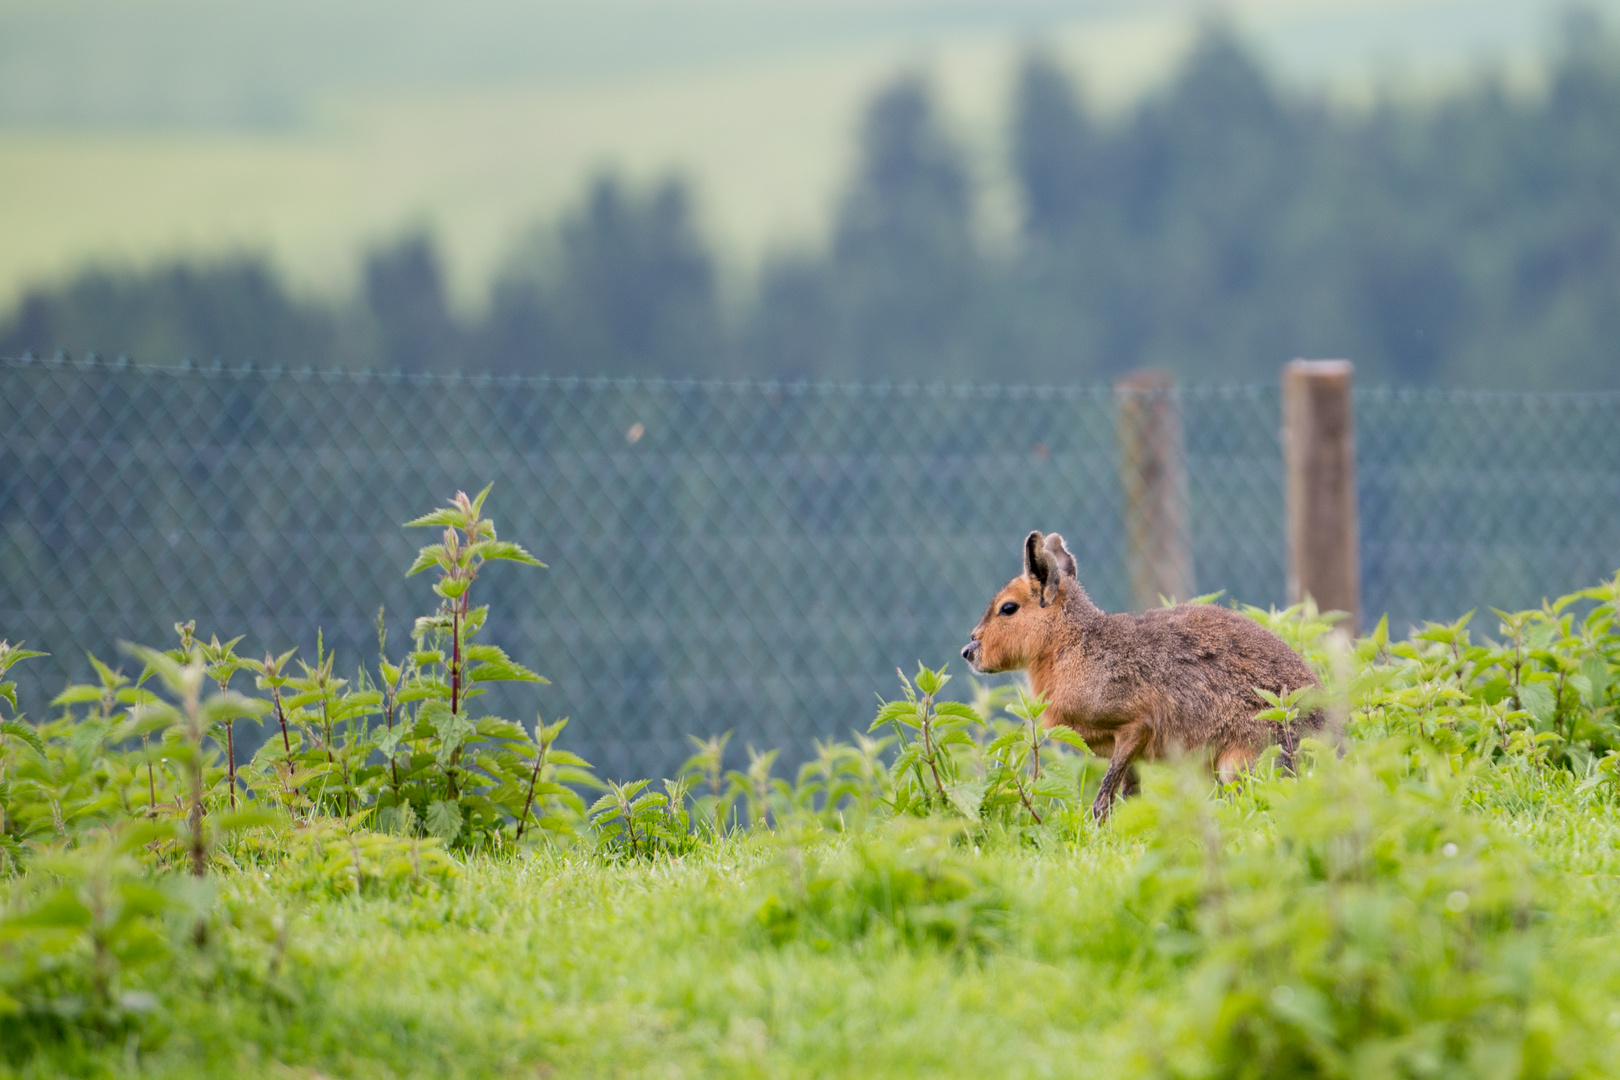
(748, 557)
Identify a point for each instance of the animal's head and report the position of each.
(1024, 618)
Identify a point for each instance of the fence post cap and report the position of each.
(1320, 369)
(1144, 381)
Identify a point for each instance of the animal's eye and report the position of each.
(1009, 607)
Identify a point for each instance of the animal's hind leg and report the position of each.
(1232, 761)
(1132, 784)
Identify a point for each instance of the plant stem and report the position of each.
(457, 609)
(230, 750)
(151, 781)
(1035, 748)
(281, 718)
(199, 849)
(528, 801)
(455, 654)
(230, 761)
(629, 820)
(388, 716)
(1029, 804)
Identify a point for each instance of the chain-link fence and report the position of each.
(751, 557)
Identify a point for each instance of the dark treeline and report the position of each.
(1220, 227)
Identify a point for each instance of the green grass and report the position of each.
(1436, 893)
(559, 963)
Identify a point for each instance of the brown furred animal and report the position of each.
(1173, 680)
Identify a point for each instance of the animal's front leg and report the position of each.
(1128, 743)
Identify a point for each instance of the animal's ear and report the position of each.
(1039, 568)
(1034, 555)
(1061, 564)
(1060, 555)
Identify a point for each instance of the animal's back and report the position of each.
(1232, 648)
(1210, 661)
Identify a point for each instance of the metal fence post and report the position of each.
(1319, 450)
(1154, 480)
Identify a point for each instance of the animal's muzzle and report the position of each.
(970, 653)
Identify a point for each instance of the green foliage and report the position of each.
(105, 803)
(74, 928)
(338, 856)
(469, 780)
(631, 821)
(1372, 924)
(906, 885)
(12, 654)
(1423, 894)
(953, 758)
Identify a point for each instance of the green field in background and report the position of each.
(130, 133)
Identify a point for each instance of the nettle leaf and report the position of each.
(145, 719)
(444, 819)
(478, 508)
(967, 797)
(399, 820)
(1055, 787)
(229, 821)
(62, 910)
(504, 671)
(421, 690)
(298, 701)
(8, 690)
(1004, 740)
(15, 655)
(444, 515)
(25, 732)
(362, 703)
(903, 711)
(73, 695)
(1069, 737)
(223, 708)
(300, 777)
(429, 557)
(1537, 699)
(1597, 675)
(930, 681)
(388, 741)
(494, 727)
(502, 549)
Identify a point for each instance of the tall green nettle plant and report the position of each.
(472, 781)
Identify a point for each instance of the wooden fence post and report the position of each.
(1154, 480)
(1319, 451)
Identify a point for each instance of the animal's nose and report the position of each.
(969, 649)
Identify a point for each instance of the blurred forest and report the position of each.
(1218, 228)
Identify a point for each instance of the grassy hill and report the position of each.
(129, 132)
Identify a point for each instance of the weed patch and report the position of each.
(399, 883)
